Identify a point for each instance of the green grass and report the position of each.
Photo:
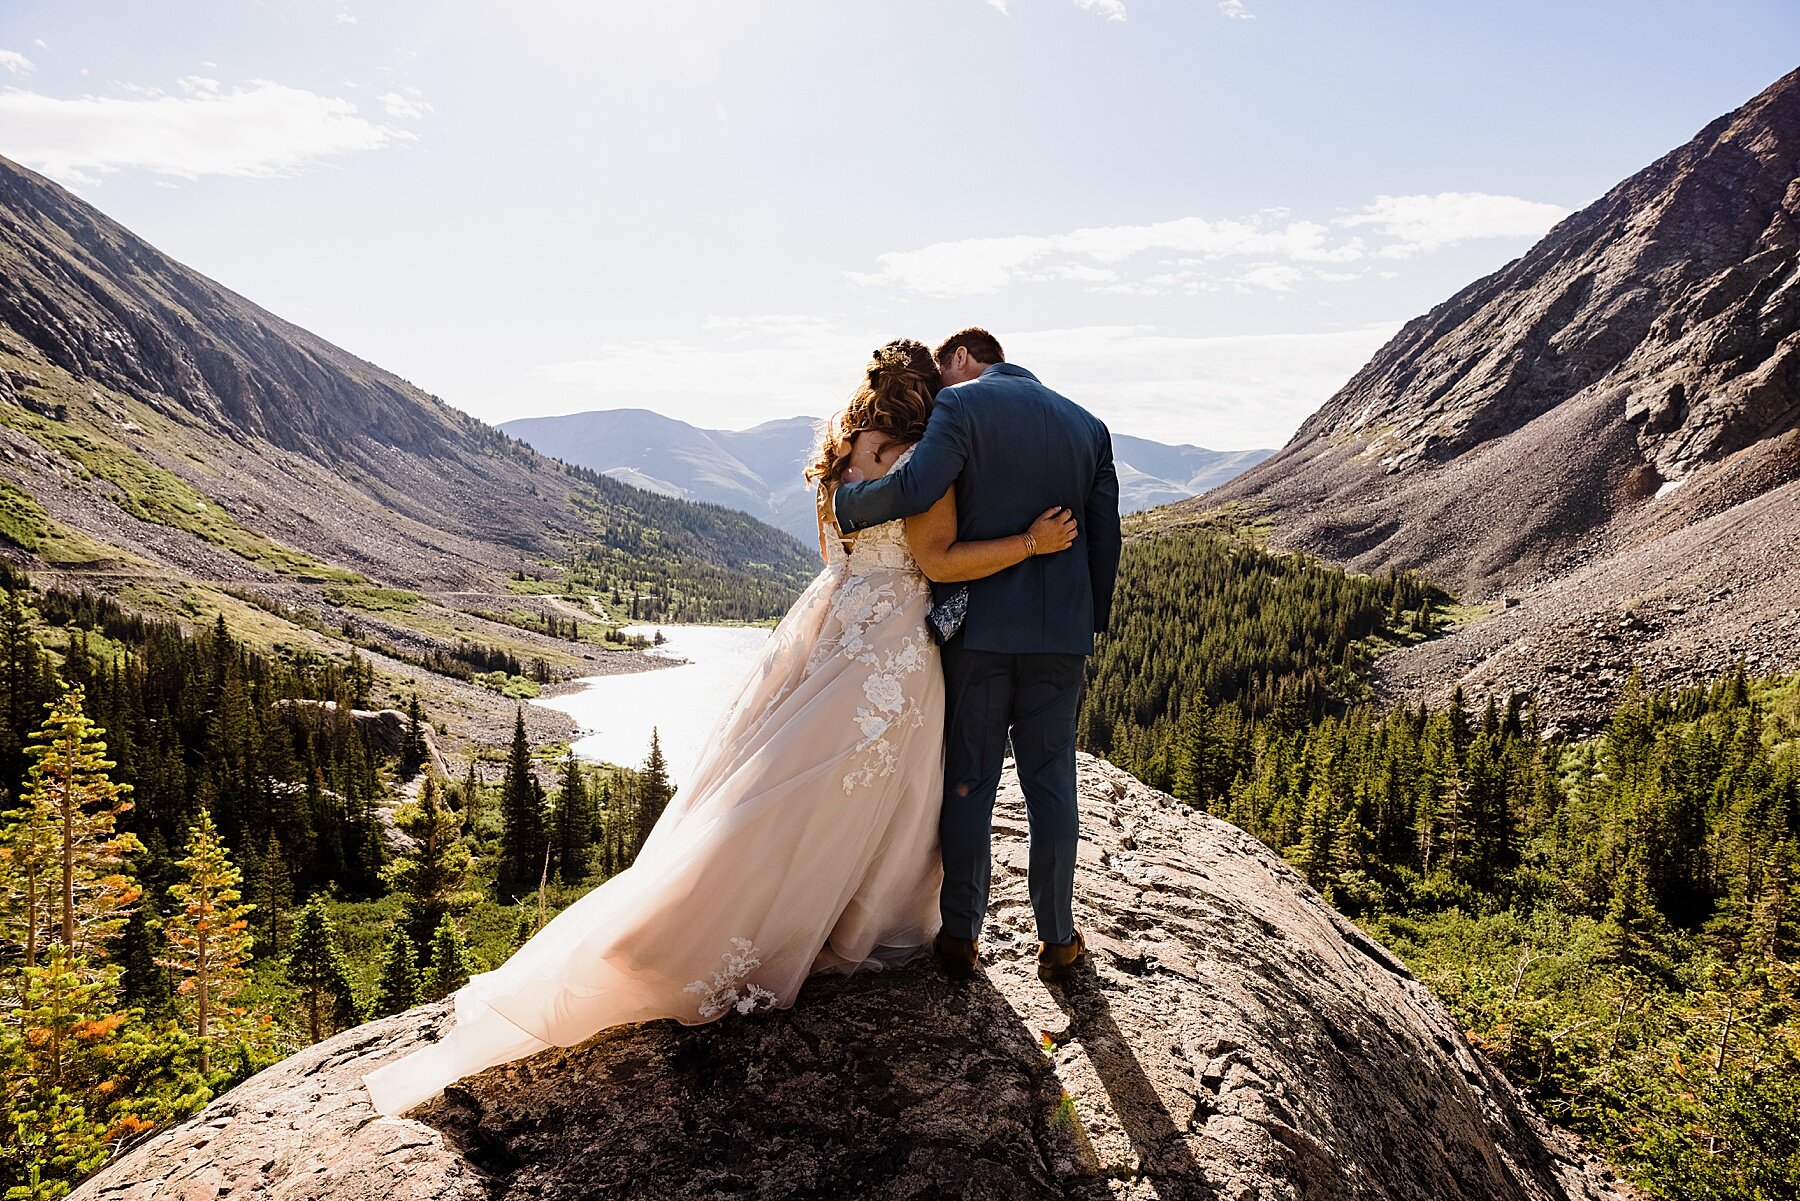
(24, 523)
(1245, 523)
(1458, 615)
(200, 605)
(448, 623)
(537, 587)
(372, 599)
(517, 687)
(146, 491)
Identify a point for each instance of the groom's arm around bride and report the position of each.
(1012, 448)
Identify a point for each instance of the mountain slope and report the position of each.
(758, 469)
(1612, 419)
(168, 438)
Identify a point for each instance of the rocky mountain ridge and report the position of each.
(758, 470)
(1237, 1039)
(1609, 424)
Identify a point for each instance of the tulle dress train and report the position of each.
(806, 841)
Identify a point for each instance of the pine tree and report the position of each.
(66, 1004)
(142, 977)
(1312, 855)
(470, 812)
(574, 824)
(654, 793)
(451, 966)
(209, 937)
(65, 859)
(432, 875)
(48, 1141)
(413, 752)
(317, 970)
(605, 823)
(523, 838)
(21, 679)
(398, 987)
(274, 895)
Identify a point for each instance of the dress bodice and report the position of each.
(879, 548)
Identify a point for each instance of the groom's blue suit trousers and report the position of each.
(1035, 698)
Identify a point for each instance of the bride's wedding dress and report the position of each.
(806, 841)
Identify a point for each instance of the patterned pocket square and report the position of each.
(946, 617)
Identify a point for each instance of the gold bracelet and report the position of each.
(1030, 545)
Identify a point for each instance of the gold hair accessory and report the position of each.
(891, 358)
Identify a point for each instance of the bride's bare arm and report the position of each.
(932, 536)
(842, 450)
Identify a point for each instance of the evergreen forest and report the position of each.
(1615, 921)
(207, 862)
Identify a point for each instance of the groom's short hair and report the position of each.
(981, 345)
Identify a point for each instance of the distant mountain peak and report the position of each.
(758, 470)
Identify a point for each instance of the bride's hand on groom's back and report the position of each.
(1053, 531)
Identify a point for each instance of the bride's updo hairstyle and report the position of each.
(894, 400)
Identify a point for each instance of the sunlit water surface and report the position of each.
(617, 713)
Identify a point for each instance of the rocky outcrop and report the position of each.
(1620, 403)
(1236, 1038)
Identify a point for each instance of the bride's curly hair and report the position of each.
(895, 400)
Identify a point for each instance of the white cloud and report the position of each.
(1274, 277)
(1112, 10)
(1419, 224)
(1183, 255)
(1228, 393)
(982, 266)
(408, 104)
(16, 63)
(1236, 9)
(264, 129)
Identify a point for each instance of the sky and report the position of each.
(1197, 218)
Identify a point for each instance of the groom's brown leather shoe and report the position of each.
(957, 956)
(1059, 962)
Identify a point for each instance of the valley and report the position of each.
(1493, 668)
(170, 444)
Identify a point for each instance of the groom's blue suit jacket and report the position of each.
(1012, 448)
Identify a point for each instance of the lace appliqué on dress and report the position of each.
(890, 708)
(729, 988)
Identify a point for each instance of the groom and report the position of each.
(1013, 448)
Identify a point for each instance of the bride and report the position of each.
(807, 840)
